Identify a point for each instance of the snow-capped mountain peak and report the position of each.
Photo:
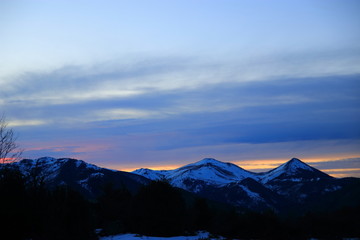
(205, 161)
(209, 178)
(293, 170)
(293, 165)
(295, 162)
(51, 165)
(212, 171)
(208, 170)
(208, 173)
(151, 174)
(84, 177)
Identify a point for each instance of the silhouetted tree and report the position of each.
(9, 149)
(13, 204)
(114, 210)
(66, 215)
(225, 223)
(159, 210)
(202, 215)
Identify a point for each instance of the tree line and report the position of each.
(31, 211)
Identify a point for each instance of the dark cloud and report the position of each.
(330, 110)
(350, 163)
(276, 111)
(56, 152)
(206, 115)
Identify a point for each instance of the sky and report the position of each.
(160, 84)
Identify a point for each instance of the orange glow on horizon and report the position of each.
(262, 165)
(341, 169)
(7, 160)
(343, 172)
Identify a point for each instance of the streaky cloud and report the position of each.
(109, 80)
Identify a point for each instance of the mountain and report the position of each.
(294, 170)
(208, 170)
(284, 187)
(305, 201)
(292, 185)
(83, 177)
(219, 181)
(215, 180)
(299, 182)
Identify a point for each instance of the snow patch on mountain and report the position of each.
(48, 166)
(84, 184)
(212, 170)
(208, 170)
(219, 173)
(152, 174)
(291, 169)
(76, 174)
(251, 194)
(96, 175)
(240, 186)
(81, 163)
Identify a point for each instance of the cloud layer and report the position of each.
(157, 84)
(181, 106)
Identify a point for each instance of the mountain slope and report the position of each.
(209, 170)
(151, 174)
(215, 180)
(293, 170)
(290, 184)
(83, 177)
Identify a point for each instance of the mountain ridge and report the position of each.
(243, 202)
(293, 183)
(88, 179)
(229, 172)
(294, 169)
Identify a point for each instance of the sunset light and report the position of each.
(181, 119)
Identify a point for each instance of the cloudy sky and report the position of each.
(159, 84)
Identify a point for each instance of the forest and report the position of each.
(29, 210)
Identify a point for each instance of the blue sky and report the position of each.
(128, 84)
